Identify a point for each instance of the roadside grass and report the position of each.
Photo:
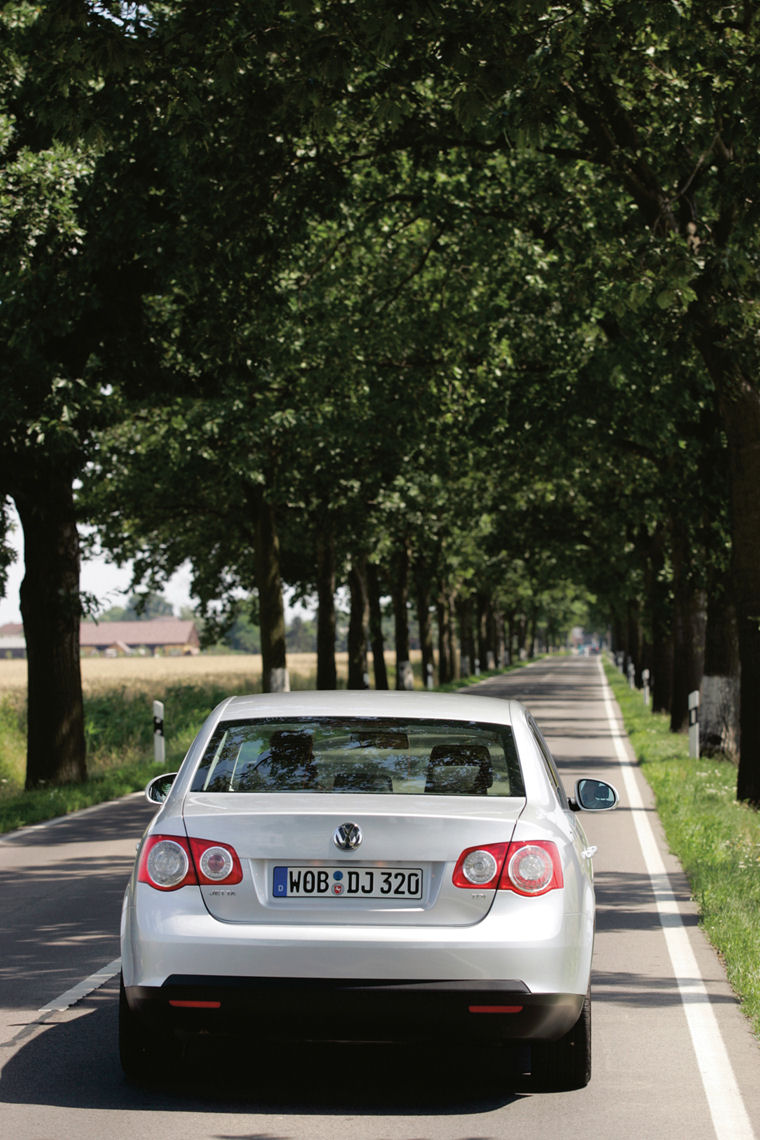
(716, 838)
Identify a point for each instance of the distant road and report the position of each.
(673, 1055)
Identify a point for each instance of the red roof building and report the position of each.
(170, 636)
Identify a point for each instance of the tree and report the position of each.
(52, 400)
(659, 101)
(73, 322)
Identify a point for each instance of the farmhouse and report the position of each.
(163, 636)
(12, 642)
(170, 637)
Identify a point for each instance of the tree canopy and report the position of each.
(454, 303)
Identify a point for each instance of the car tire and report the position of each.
(139, 1052)
(566, 1063)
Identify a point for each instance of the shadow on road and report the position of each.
(74, 1064)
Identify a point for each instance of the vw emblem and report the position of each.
(347, 836)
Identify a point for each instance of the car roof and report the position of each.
(372, 703)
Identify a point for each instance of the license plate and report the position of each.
(345, 882)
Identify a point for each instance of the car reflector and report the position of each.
(495, 1008)
(194, 1004)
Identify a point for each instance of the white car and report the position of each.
(368, 866)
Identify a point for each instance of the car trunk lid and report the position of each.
(349, 858)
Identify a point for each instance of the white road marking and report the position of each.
(76, 993)
(729, 1115)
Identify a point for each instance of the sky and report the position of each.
(108, 583)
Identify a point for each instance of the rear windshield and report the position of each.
(380, 756)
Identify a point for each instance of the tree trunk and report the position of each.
(634, 637)
(445, 670)
(327, 675)
(688, 653)
(688, 632)
(619, 632)
(466, 639)
(482, 623)
(400, 593)
(522, 635)
(358, 625)
(422, 591)
(495, 636)
(739, 404)
(719, 705)
(531, 641)
(274, 678)
(377, 640)
(51, 611)
(455, 655)
(511, 621)
(660, 618)
(662, 675)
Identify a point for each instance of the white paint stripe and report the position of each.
(729, 1115)
(76, 993)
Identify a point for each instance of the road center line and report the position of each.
(82, 989)
(724, 1098)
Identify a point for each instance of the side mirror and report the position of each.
(159, 787)
(593, 795)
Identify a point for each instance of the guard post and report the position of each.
(694, 725)
(645, 674)
(159, 748)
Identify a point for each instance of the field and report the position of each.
(146, 674)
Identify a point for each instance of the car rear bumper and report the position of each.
(302, 1009)
(544, 947)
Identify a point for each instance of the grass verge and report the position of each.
(716, 838)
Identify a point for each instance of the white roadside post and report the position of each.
(159, 749)
(645, 679)
(631, 675)
(694, 725)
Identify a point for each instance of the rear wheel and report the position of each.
(565, 1064)
(142, 1054)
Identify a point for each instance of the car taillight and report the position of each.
(528, 868)
(532, 868)
(168, 862)
(480, 866)
(216, 862)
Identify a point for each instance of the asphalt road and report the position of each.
(673, 1055)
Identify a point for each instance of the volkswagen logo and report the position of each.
(347, 836)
